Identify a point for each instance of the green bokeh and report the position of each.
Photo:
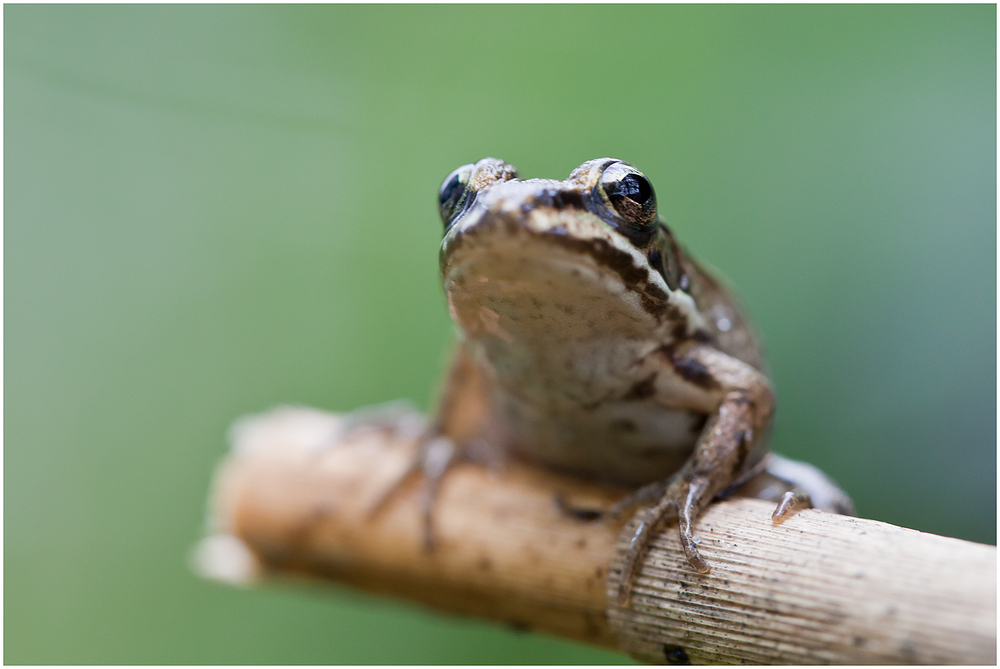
(213, 210)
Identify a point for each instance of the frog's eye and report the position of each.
(452, 194)
(630, 194)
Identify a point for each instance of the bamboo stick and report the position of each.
(295, 497)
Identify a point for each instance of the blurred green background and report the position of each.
(211, 210)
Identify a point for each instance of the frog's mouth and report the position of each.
(550, 274)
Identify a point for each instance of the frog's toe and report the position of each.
(690, 507)
(435, 453)
(438, 455)
(664, 509)
(684, 499)
(791, 502)
(811, 487)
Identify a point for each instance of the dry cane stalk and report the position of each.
(819, 588)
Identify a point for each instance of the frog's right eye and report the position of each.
(453, 193)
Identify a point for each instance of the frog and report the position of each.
(592, 343)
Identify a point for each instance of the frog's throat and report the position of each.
(569, 257)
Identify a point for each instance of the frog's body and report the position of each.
(593, 344)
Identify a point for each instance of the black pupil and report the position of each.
(633, 187)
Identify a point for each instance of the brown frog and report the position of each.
(593, 344)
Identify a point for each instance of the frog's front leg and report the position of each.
(452, 434)
(739, 401)
(435, 453)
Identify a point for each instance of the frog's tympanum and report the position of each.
(593, 344)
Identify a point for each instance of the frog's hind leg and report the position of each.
(810, 488)
(794, 486)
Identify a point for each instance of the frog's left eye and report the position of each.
(630, 194)
(453, 193)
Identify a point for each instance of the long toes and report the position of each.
(689, 510)
(637, 546)
(390, 491)
(437, 456)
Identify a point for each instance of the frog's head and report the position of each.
(584, 258)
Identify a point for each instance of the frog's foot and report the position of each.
(437, 456)
(434, 455)
(791, 502)
(683, 498)
(809, 488)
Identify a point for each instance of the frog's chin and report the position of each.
(539, 288)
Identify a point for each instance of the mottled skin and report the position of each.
(593, 344)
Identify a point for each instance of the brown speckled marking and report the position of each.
(689, 369)
(696, 373)
(643, 389)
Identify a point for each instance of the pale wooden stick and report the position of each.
(294, 497)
